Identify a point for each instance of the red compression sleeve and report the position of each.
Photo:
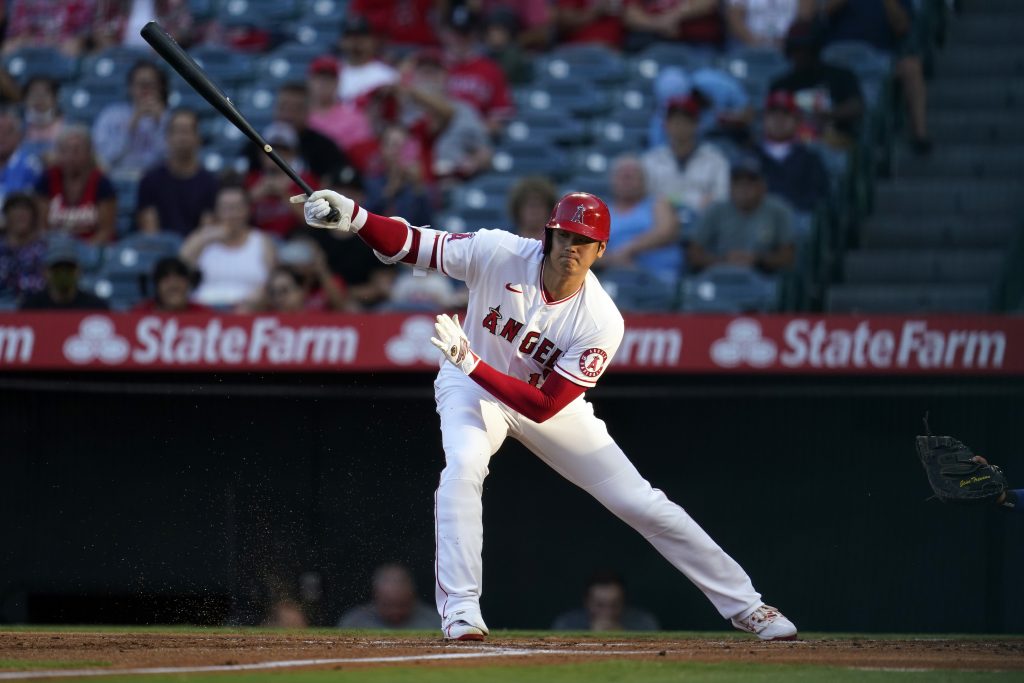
(387, 235)
(522, 397)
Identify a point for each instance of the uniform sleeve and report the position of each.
(588, 357)
(464, 255)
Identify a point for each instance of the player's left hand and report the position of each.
(454, 344)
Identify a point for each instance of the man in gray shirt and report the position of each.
(394, 604)
(751, 228)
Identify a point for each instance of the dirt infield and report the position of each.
(120, 651)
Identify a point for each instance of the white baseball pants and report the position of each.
(575, 444)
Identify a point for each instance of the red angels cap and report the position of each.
(324, 64)
(582, 213)
(780, 100)
(687, 104)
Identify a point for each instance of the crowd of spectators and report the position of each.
(404, 109)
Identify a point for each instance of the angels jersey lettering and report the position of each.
(510, 322)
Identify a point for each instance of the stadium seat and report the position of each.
(569, 98)
(729, 289)
(908, 298)
(529, 158)
(535, 125)
(227, 68)
(871, 65)
(590, 162)
(755, 68)
(26, 62)
(638, 290)
(490, 217)
(872, 266)
(82, 104)
(113, 64)
(652, 58)
(262, 13)
(914, 231)
(583, 62)
(613, 137)
(594, 183)
(632, 107)
(325, 11)
(322, 37)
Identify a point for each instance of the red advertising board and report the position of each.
(982, 345)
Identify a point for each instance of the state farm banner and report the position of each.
(400, 342)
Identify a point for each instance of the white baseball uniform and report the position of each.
(513, 327)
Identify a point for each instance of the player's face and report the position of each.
(572, 253)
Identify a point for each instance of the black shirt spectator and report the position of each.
(178, 194)
(62, 291)
(792, 170)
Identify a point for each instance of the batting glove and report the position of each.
(319, 204)
(454, 344)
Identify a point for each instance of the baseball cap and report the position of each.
(281, 134)
(296, 253)
(356, 24)
(61, 250)
(746, 164)
(686, 104)
(780, 100)
(463, 19)
(324, 64)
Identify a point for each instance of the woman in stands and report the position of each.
(233, 257)
(74, 196)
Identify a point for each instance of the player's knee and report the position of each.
(468, 464)
(645, 509)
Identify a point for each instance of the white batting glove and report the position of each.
(320, 203)
(454, 344)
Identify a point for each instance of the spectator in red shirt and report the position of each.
(590, 21)
(472, 76)
(60, 24)
(269, 187)
(344, 123)
(74, 196)
(696, 22)
(406, 22)
(173, 282)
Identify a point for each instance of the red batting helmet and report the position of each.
(582, 213)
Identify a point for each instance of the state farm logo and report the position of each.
(743, 343)
(96, 340)
(412, 344)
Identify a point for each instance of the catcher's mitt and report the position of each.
(955, 473)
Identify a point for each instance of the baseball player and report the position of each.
(539, 331)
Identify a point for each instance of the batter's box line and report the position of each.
(293, 663)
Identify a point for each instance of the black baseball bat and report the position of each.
(187, 68)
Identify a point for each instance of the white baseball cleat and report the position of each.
(463, 630)
(767, 623)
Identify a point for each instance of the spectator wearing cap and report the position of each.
(130, 136)
(318, 152)
(689, 173)
(62, 273)
(763, 23)
(530, 203)
(347, 125)
(828, 96)
(645, 230)
(474, 77)
(362, 69)
(22, 249)
(302, 282)
(177, 195)
(270, 187)
(173, 282)
(74, 196)
(233, 257)
(60, 24)
(694, 22)
(43, 119)
(590, 21)
(792, 170)
(751, 229)
(501, 43)
(20, 168)
(534, 27)
(888, 25)
(724, 104)
(452, 135)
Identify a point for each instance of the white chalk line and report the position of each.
(478, 653)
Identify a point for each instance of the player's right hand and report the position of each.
(319, 204)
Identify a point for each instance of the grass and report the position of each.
(30, 664)
(596, 672)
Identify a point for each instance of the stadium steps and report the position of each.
(939, 237)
